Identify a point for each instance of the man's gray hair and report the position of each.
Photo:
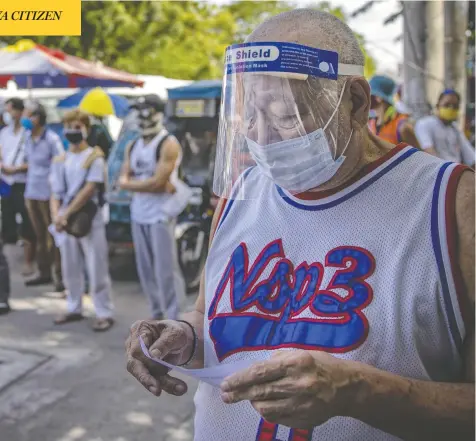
(313, 28)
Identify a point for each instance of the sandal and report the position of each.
(102, 324)
(68, 318)
(28, 270)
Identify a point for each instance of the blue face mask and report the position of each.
(27, 123)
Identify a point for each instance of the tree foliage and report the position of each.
(184, 39)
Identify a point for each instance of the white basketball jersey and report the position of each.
(363, 273)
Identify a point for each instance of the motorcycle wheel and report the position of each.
(192, 249)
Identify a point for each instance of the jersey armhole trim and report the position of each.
(231, 200)
(443, 233)
(220, 215)
(451, 240)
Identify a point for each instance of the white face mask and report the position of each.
(316, 166)
(7, 118)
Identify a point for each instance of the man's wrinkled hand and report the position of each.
(168, 340)
(299, 389)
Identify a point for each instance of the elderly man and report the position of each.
(341, 266)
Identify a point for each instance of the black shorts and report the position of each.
(11, 206)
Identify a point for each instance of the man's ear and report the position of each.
(360, 96)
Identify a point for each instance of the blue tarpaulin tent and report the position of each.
(205, 89)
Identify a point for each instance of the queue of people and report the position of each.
(57, 191)
(437, 134)
(59, 197)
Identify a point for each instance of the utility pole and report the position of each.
(456, 22)
(414, 56)
(449, 19)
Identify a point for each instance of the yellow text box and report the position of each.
(40, 17)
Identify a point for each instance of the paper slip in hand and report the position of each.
(213, 375)
(58, 236)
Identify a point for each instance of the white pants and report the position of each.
(90, 253)
(157, 265)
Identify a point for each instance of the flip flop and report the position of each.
(102, 324)
(68, 318)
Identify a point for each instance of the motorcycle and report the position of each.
(192, 232)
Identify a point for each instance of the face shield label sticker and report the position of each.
(281, 58)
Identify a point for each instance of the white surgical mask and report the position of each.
(7, 118)
(316, 165)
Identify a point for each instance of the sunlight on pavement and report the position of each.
(139, 418)
(47, 305)
(181, 433)
(74, 434)
(54, 338)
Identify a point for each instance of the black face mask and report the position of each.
(74, 136)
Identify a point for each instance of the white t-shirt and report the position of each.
(39, 153)
(10, 143)
(147, 208)
(447, 139)
(68, 176)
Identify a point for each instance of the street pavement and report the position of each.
(67, 383)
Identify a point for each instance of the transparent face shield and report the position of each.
(278, 118)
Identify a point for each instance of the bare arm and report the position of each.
(21, 168)
(54, 207)
(158, 183)
(83, 196)
(467, 150)
(408, 135)
(431, 151)
(14, 169)
(417, 410)
(126, 163)
(196, 317)
(424, 134)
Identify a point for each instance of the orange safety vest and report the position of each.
(390, 129)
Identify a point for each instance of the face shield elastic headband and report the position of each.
(279, 113)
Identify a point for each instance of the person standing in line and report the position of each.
(400, 105)
(41, 146)
(150, 165)
(77, 178)
(13, 173)
(388, 123)
(99, 135)
(440, 135)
